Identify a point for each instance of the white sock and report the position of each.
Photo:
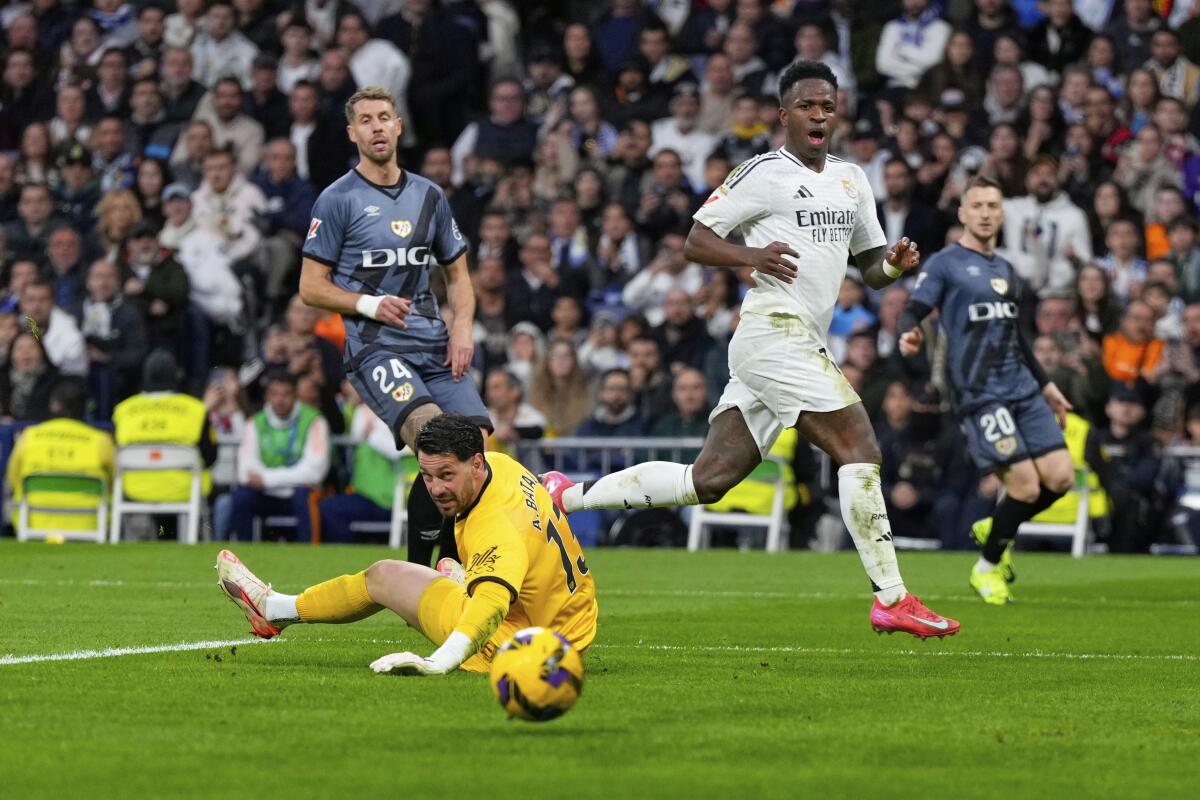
(654, 484)
(983, 565)
(281, 607)
(865, 515)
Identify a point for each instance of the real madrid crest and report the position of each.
(402, 228)
(1000, 285)
(851, 189)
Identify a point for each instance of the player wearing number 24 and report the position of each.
(523, 566)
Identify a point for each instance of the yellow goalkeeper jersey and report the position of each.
(516, 536)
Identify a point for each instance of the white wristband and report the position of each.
(454, 651)
(891, 271)
(368, 305)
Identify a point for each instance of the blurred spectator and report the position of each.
(1169, 206)
(649, 379)
(115, 333)
(680, 133)
(227, 408)
(1044, 231)
(1177, 76)
(283, 457)
(1041, 124)
(322, 149)
(1059, 39)
(718, 95)
(310, 355)
(297, 62)
(1095, 308)
(372, 478)
(666, 69)
(1053, 314)
(231, 127)
(336, 85)
(24, 99)
(1133, 30)
(64, 252)
(1122, 263)
(960, 69)
(148, 132)
(64, 443)
(493, 318)
(264, 103)
(850, 314)
(377, 62)
(1132, 353)
(152, 178)
(513, 418)
(506, 135)
(620, 254)
(69, 125)
(546, 84)
(180, 28)
(177, 211)
(28, 235)
(229, 206)
(911, 44)
(21, 273)
(918, 453)
(747, 136)
(111, 160)
(749, 71)
(144, 54)
(26, 380)
(532, 290)
(1168, 323)
(873, 374)
(110, 93)
(560, 390)
(667, 271)
(902, 215)
(56, 329)
(668, 198)
(1141, 96)
(117, 213)
(526, 346)
(1142, 169)
(161, 414)
(1184, 257)
(865, 150)
(1131, 457)
(567, 318)
(1006, 163)
(219, 50)
(689, 414)
(1100, 119)
(288, 201)
(589, 134)
(35, 163)
(156, 285)
(629, 165)
(615, 415)
(682, 336)
(1109, 203)
(187, 161)
(600, 351)
(77, 194)
(181, 92)
(1005, 91)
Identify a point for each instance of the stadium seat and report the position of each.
(769, 471)
(67, 488)
(154, 458)
(1079, 531)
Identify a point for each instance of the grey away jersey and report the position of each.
(382, 240)
(976, 296)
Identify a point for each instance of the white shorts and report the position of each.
(778, 368)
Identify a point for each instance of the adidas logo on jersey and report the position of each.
(802, 192)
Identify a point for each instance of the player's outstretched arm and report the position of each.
(704, 246)
(461, 298)
(880, 266)
(319, 291)
(480, 619)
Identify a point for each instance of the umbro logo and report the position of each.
(371, 211)
(802, 192)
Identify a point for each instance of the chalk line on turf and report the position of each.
(113, 652)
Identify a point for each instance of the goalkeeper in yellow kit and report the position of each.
(523, 566)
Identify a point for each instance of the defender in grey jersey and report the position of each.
(1007, 404)
(374, 236)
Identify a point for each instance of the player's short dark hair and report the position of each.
(69, 399)
(981, 182)
(801, 71)
(450, 434)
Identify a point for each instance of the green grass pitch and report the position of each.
(718, 674)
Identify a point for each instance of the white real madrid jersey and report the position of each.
(825, 216)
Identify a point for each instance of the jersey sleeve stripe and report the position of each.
(493, 579)
(319, 259)
(454, 257)
(738, 178)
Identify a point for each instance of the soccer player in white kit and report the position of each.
(797, 201)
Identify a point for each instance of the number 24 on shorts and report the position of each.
(388, 383)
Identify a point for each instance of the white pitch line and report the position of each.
(1090, 602)
(114, 652)
(843, 651)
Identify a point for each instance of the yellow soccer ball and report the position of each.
(537, 675)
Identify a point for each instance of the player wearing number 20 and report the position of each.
(1006, 403)
(523, 566)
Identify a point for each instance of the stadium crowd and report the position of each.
(158, 163)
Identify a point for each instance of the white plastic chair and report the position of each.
(158, 458)
(397, 527)
(74, 483)
(769, 471)
(1079, 531)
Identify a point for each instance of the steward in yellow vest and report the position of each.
(160, 415)
(1077, 433)
(62, 444)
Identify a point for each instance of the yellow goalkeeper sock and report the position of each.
(343, 599)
